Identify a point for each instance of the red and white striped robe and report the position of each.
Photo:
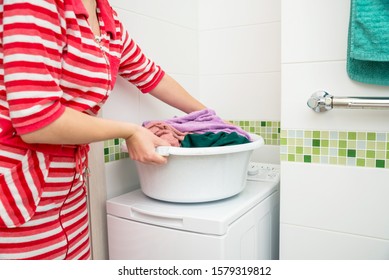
(49, 60)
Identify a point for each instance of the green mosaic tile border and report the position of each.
(112, 150)
(269, 130)
(363, 149)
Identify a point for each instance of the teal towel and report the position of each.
(211, 139)
(368, 42)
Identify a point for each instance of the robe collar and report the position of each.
(106, 14)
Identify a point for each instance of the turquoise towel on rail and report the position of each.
(368, 42)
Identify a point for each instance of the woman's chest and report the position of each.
(89, 66)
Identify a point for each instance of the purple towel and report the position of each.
(203, 121)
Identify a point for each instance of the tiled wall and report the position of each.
(239, 58)
(227, 55)
(347, 148)
(334, 165)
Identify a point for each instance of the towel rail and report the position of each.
(322, 101)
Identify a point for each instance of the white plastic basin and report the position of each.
(198, 174)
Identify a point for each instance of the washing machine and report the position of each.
(245, 226)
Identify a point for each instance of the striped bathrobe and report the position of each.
(49, 60)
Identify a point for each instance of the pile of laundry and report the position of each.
(198, 129)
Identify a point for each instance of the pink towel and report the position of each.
(166, 132)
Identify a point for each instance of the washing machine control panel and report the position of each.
(257, 171)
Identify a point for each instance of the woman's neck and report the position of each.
(89, 3)
(90, 6)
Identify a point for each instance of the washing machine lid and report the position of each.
(208, 217)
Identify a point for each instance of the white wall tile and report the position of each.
(343, 199)
(267, 154)
(123, 103)
(121, 177)
(173, 47)
(247, 49)
(243, 97)
(230, 13)
(153, 109)
(302, 243)
(314, 30)
(301, 80)
(183, 13)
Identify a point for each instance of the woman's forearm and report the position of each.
(172, 93)
(74, 127)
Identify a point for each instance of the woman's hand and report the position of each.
(141, 146)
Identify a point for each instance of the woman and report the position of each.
(59, 61)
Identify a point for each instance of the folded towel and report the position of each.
(368, 37)
(203, 121)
